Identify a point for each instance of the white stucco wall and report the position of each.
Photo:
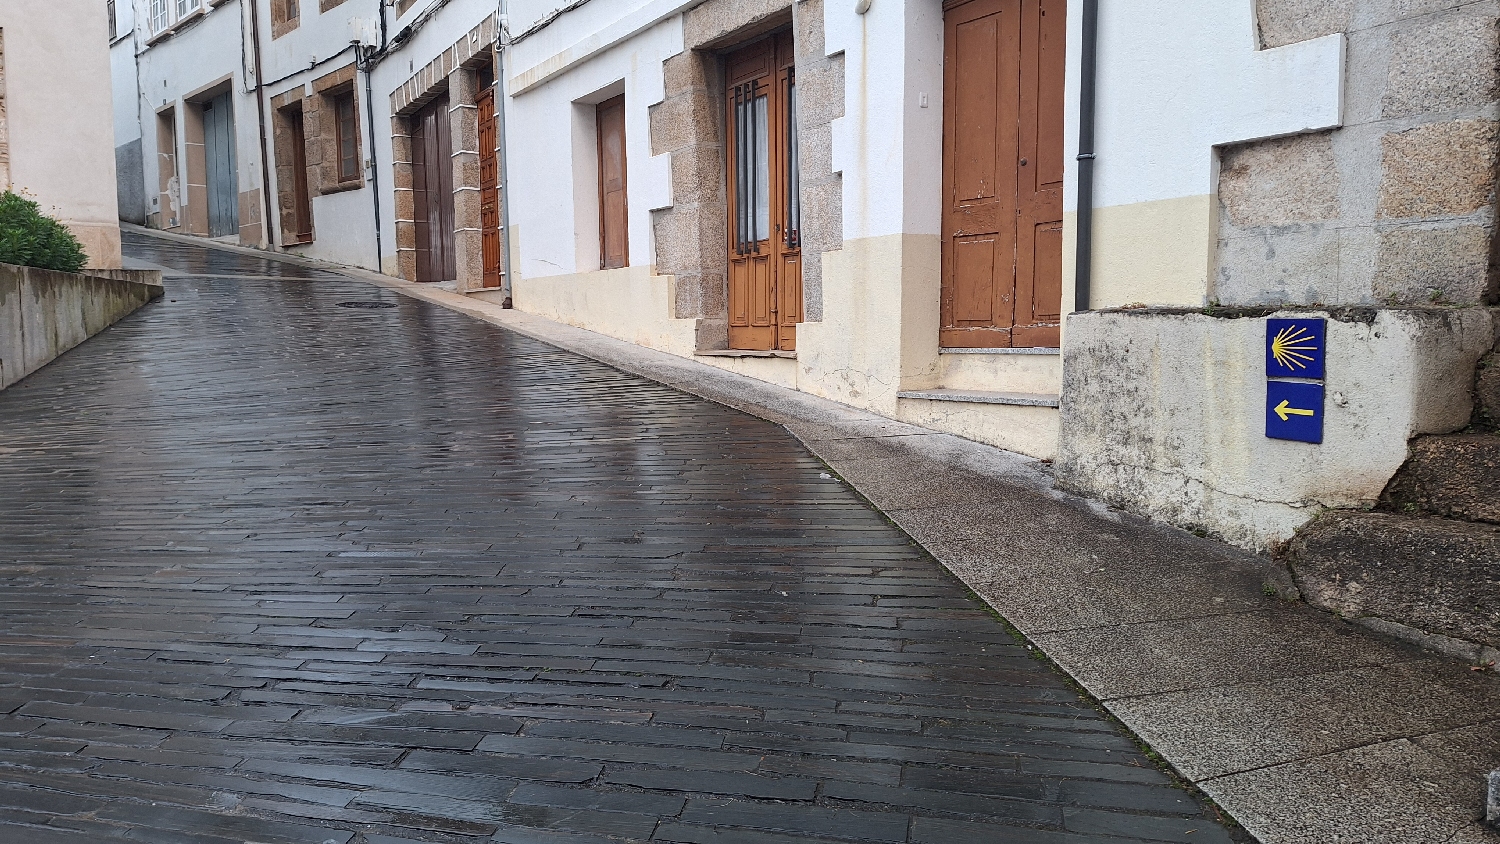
(551, 129)
(56, 52)
(1175, 79)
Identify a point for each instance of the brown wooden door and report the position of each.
(765, 250)
(432, 192)
(614, 236)
(1002, 173)
(302, 229)
(489, 189)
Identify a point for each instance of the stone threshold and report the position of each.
(1302, 727)
(744, 353)
(982, 397)
(1006, 350)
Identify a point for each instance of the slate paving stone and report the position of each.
(276, 570)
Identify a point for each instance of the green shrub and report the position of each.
(32, 239)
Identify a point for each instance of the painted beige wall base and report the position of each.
(1031, 431)
(879, 333)
(1155, 253)
(1163, 413)
(100, 240)
(1001, 373)
(630, 303)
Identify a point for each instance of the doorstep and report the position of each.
(982, 397)
(744, 353)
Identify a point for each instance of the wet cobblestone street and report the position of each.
(286, 557)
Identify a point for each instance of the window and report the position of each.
(284, 17)
(614, 242)
(752, 167)
(347, 130)
(109, 10)
(165, 14)
(158, 15)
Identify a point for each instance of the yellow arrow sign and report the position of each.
(1284, 411)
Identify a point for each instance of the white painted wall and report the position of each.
(122, 75)
(888, 147)
(551, 140)
(56, 52)
(1176, 78)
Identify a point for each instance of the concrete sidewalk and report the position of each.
(1302, 727)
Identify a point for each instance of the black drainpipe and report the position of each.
(369, 67)
(1083, 262)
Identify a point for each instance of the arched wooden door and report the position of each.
(765, 249)
(1002, 172)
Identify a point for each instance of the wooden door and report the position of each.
(614, 238)
(489, 189)
(765, 250)
(1002, 173)
(218, 151)
(302, 229)
(432, 192)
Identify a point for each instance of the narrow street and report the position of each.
(290, 558)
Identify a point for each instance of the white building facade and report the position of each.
(878, 202)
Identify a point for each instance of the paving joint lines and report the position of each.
(1300, 725)
(278, 570)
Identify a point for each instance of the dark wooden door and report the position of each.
(614, 236)
(302, 224)
(489, 189)
(432, 192)
(765, 249)
(1002, 173)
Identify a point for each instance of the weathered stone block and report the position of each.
(1279, 265)
(1285, 22)
(1437, 575)
(1454, 476)
(1420, 266)
(1437, 170)
(1280, 181)
(1442, 65)
(686, 71)
(1487, 390)
(681, 121)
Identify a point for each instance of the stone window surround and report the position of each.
(281, 23)
(454, 72)
(320, 122)
(320, 136)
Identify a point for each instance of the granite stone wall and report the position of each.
(1396, 207)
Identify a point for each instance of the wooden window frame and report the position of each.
(604, 221)
(346, 132)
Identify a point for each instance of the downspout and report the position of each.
(368, 65)
(1083, 260)
(502, 37)
(260, 119)
(374, 166)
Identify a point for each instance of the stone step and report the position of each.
(1436, 575)
(1456, 476)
